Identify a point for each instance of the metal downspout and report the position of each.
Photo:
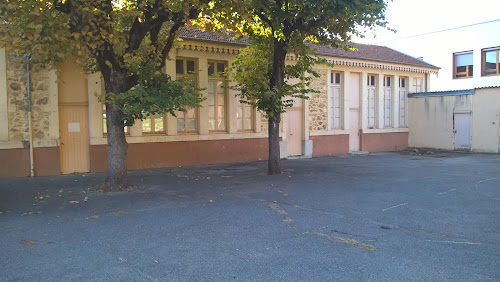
(28, 90)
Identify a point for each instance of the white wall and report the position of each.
(438, 48)
(431, 120)
(485, 129)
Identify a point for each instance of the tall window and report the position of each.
(417, 85)
(244, 114)
(491, 60)
(334, 101)
(187, 122)
(387, 101)
(371, 100)
(402, 102)
(462, 64)
(154, 124)
(217, 97)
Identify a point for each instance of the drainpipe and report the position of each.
(28, 90)
(426, 86)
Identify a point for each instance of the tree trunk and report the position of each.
(276, 83)
(273, 162)
(116, 174)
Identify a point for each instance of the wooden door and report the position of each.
(354, 112)
(74, 142)
(73, 119)
(294, 132)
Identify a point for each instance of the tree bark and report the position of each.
(273, 162)
(116, 174)
(276, 83)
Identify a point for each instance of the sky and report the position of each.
(414, 17)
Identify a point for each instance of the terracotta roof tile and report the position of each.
(362, 52)
(372, 53)
(222, 37)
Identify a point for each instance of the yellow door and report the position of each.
(294, 132)
(74, 145)
(73, 119)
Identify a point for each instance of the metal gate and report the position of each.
(461, 128)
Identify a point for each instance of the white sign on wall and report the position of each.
(73, 127)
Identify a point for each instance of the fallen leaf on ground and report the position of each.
(116, 213)
(92, 217)
(85, 199)
(73, 202)
(28, 242)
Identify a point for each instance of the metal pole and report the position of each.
(28, 90)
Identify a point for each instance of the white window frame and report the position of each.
(242, 117)
(335, 100)
(190, 112)
(387, 101)
(417, 84)
(219, 118)
(371, 96)
(403, 102)
(463, 59)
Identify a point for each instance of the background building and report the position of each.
(362, 105)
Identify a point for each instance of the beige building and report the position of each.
(362, 106)
(456, 120)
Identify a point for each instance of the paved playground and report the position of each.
(375, 217)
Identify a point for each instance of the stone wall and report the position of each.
(318, 103)
(263, 123)
(17, 101)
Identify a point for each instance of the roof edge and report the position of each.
(443, 93)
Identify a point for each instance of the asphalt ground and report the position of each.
(375, 217)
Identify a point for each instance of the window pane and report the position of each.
(239, 112)
(146, 125)
(211, 112)
(220, 89)
(463, 60)
(222, 124)
(211, 69)
(240, 124)
(104, 128)
(192, 125)
(191, 113)
(159, 123)
(221, 99)
(180, 125)
(190, 66)
(211, 124)
(220, 111)
(471, 70)
(337, 78)
(210, 98)
(220, 67)
(179, 66)
(248, 111)
(248, 123)
(490, 60)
